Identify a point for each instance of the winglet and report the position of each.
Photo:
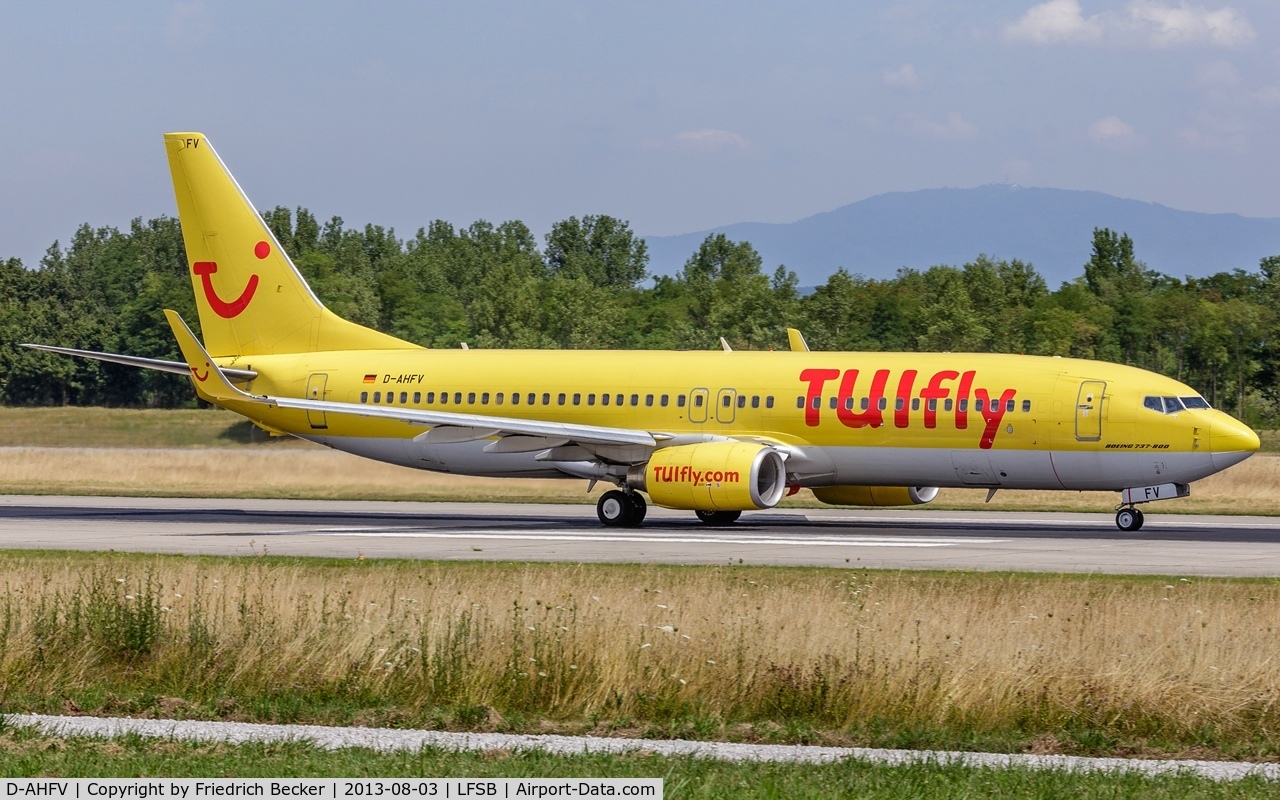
(211, 384)
(797, 342)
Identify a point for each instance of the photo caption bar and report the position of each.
(329, 788)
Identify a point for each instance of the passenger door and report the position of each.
(1089, 410)
(315, 391)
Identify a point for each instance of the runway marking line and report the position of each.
(849, 541)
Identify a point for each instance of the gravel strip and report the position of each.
(389, 739)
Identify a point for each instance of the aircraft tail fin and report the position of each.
(251, 298)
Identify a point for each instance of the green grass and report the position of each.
(73, 426)
(27, 753)
(771, 654)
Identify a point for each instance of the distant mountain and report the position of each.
(1051, 228)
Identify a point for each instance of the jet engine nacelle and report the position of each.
(712, 476)
(875, 495)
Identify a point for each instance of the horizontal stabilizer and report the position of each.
(176, 367)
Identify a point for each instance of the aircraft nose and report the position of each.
(1231, 441)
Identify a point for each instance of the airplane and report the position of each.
(716, 433)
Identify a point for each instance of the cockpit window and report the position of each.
(1172, 405)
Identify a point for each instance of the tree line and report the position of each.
(588, 286)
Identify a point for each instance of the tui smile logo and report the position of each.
(223, 308)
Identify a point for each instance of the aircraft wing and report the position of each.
(178, 367)
(521, 435)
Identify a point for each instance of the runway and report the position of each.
(909, 539)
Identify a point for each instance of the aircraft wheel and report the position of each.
(718, 518)
(1129, 519)
(637, 509)
(614, 509)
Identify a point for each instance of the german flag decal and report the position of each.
(370, 378)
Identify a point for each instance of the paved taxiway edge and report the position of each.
(391, 740)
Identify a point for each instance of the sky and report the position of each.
(676, 116)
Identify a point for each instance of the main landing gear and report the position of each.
(1129, 519)
(718, 519)
(621, 509)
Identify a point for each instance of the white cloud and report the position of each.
(904, 77)
(1216, 132)
(1221, 84)
(706, 140)
(954, 128)
(1054, 21)
(1146, 23)
(1114, 132)
(1166, 26)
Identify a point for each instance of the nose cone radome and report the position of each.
(1231, 441)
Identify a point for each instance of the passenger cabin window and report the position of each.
(546, 398)
(1026, 406)
(417, 398)
(755, 401)
(560, 399)
(697, 401)
(742, 401)
(484, 399)
(604, 399)
(577, 398)
(1008, 407)
(377, 397)
(471, 398)
(648, 399)
(662, 401)
(635, 400)
(591, 399)
(768, 402)
(679, 401)
(457, 398)
(498, 398)
(431, 397)
(532, 399)
(404, 398)
(364, 397)
(515, 398)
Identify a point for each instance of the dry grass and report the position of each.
(312, 472)
(847, 653)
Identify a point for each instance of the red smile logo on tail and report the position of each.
(221, 307)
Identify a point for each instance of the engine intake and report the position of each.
(712, 476)
(875, 495)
